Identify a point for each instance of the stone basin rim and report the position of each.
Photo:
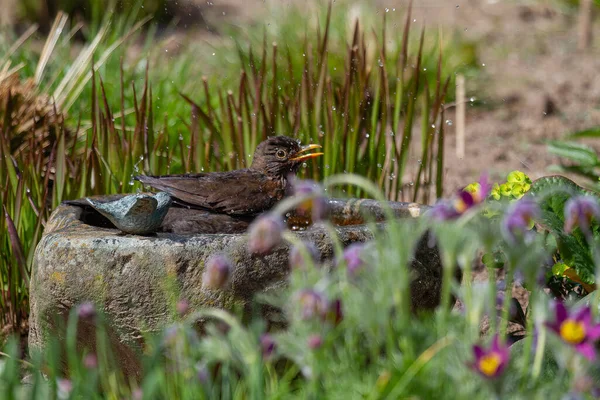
(344, 213)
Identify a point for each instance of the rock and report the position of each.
(137, 280)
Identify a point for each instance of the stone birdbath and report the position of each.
(137, 280)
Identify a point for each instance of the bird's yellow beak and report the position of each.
(301, 157)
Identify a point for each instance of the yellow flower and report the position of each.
(518, 190)
(473, 187)
(496, 192)
(506, 189)
(490, 363)
(518, 177)
(572, 331)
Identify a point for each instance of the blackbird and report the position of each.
(243, 192)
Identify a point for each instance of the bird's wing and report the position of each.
(142, 205)
(237, 192)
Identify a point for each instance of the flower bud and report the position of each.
(268, 345)
(353, 258)
(86, 311)
(90, 361)
(519, 219)
(312, 304)
(579, 212)
(216, 273)
(335, 314)
(316, 206)
(182, 307)
(264, 234)
(315, 341)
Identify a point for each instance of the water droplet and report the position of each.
(304, 165)
(367, 135)
(449, 122)
(483, 64)
(333, 108)
(380, 62)
(472, 99)
(387, 10)
(180, 136)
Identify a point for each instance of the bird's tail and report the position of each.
(153, 181)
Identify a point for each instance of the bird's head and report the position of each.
(279, 156)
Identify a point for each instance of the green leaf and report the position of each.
(559, 269)
(552, 192)
(574, 152)
(586, 133)
(496, 259)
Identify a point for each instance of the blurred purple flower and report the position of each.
(64, 387)
(86, 311)
(466, 199)
(335, 314)
(312, 304)
(137, 394)
(353, 258)
(268, 345)
(519, 218)
(202, 373)
(491, 362)
(90, 361)
(182, 307)
(443, 210)
(316, 206)
(264, 234)
(579, 211)
(297, 259)
(315, 341)
(216, 272)
(576, 329)
(170, 335)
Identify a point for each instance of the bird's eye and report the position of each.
(281, 154)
